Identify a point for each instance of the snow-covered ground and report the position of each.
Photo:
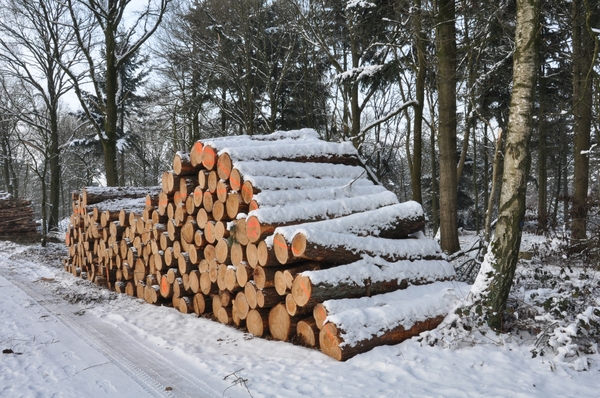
(64, 337)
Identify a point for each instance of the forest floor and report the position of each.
(65, 337)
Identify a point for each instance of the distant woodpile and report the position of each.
(16, 218)
(274, 234)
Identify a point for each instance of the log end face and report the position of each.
(235, 180)
(280, 248)
(306, 334)
(255, 324)
(253, 229)
(209, 157)
(301, 290)
(247, 192)
(279, 322)
(330, 342)
(298, 245)
(196, 154)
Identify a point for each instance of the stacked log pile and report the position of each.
(267, 233)
(16, 218)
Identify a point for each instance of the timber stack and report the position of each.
(16, 218)
(284, 235)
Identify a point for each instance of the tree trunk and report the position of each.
(542, 220)
(420, 97)
(446, 50)
(583, 49)
(504, 248)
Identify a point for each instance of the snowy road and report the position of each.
(106, 359)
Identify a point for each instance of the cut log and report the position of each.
(284, 278)
(293, 309)
(251, 255)
(218, 211)
(222, 191)
(250, 293)
(239, 232)
(209, 157)
(241, 305)
(222, 252)
(207, 287)
(201, 303)
(234, 205)
(221, 230)
(242, 273)
(257, 322)
(94, 195)
(366, 277)
(235, 180)
(391, 222)
(266, 255)
(224, 166)
(386, 318)
(182, 164)
(237, 254)
(281, 325)
(308, 333)
(343, 249)
(231, 282)
(267, 298)
(211, 183)
(194, 281)
(262, 222)
(196, 154)
(186, 305)
(330, 339)
(224, 315)
(320, 315)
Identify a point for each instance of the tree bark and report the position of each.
(504, 248)
(583, 55)
(446, 51)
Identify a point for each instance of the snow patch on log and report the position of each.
(364, 223)
(319, 209)
(220, 143)
(285, 169)
(282, 198)
(367, 317)
(375, 269)
(416, 248)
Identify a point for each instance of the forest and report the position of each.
(105, 93)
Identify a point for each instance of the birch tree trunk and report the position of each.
(503, 251)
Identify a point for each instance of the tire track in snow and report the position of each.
(154, 373)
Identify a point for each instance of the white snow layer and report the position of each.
(374, 269)
(365, 223)
(411, 249)
(363, 318)
(259, 140)
(326, 208)
(284, 197)
(284, 169)
(275, 183)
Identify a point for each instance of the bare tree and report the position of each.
(121, 33)
(33, 40)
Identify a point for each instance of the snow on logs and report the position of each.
(268, 233)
